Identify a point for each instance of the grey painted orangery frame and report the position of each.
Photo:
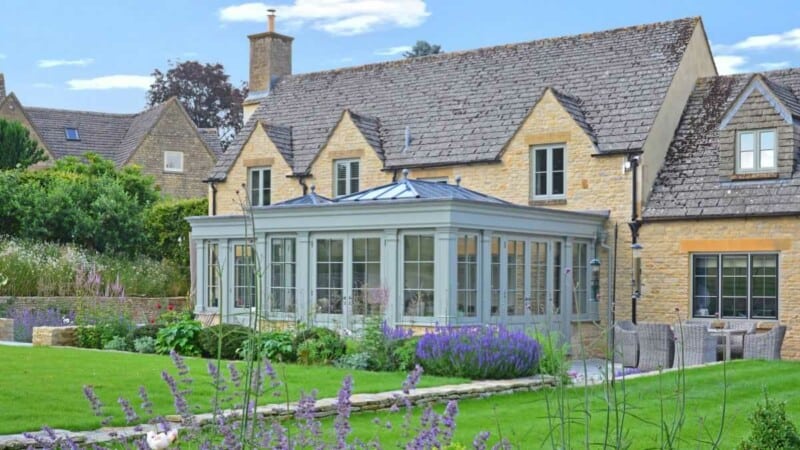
(428, 253)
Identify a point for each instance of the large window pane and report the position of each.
(244, 276)
(282, 275)
(467, 276)
(369, 296)
(538, 264)
(734, 286)
(515, 270)
(418, 275)
(706, 285)
(330, 265)
(765, 287)
(767, 140)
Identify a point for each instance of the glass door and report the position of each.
(329, 280)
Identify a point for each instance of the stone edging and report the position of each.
(324, 407)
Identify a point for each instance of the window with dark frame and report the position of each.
(260, 186)
(72, 134)
(346, 172)
(548, 177)
(735, 286)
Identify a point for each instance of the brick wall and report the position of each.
(666, 270)
(175, 132)
(140, 309)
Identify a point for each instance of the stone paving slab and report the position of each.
(324, 407)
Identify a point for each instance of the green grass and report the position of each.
(523, 418)
(44, 385)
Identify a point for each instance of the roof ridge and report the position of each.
(79, 111)
(458, 53)
(748, 75)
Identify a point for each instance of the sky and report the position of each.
(98, 54)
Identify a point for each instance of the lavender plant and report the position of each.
(27, 318)
(482, 352)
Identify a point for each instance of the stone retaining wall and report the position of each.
(141, 309)
(6, 329)
(63, 336)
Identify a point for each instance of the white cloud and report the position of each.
(142, 82)
(43, 85)
(50, 63)
(728, 64)
(774, 65)
(787, 40)
(338, 17)
(392, 51)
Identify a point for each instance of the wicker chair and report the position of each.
(656, 346)
(626, 343)
(694, 345)
(737, 342)
(765, 345)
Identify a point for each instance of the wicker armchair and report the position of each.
(737, 342)
(694, 345)
(765, 345)
(656, 346)
(626, 343)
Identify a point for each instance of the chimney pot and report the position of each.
(271, 20)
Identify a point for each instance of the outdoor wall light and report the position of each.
(595, 265)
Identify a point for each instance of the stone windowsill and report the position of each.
(754, 176)
(548, 202)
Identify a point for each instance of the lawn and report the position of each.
(522, 418)
(44, 385)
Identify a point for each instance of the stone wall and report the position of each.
(6, 329)
(666, 265)
(51, 336)
(140, 309)
(175, 132)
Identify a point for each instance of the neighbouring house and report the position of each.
(562, 140)
(162, 140)
(721, 225)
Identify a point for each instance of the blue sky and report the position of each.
(97, 55)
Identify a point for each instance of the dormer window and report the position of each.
(755, 151)
(72, 134)
(346, 172)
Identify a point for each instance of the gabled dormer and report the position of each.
(758, 136)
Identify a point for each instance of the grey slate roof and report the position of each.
(113, 136)
(573, 106)
(211, 137)
(407, 189)
(282, 138)
(370, 128)
(689, 184)
(309, 199)
(785, 95)
(464, 106)
(100, 133)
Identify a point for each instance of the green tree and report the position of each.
(17, 149)
(423, 48)
(168, 231)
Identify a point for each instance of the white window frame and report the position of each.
(477, 267)
(167, 155)
(549, 171)
(255, 276)
(719, 296)
(287, 289)
(347, 163)
(410, 318)
(757, 151)
(213, 275)
(261, 189)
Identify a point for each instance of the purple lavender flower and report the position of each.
(236, 377)
(181, 406)
(147, 406)
(25, 319)
(342, 421)
(479, 443)
(449, 421)
(412, 379)
(130, 414)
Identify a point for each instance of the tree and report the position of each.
(17, 149)
(423, 48)
(204, 90)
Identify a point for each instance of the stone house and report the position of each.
(162, 140)
(695, 173)
(578, 124)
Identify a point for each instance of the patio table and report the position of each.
(728, 333)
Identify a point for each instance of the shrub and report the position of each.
(484, 352)
(273, 345)
(144, 344)
(117, 343)
(771, 428)
(553, 357)
(149, 330)
(355, 361)
(167, 230)
(319, 345)
(26, 319)
(181, 336)
(88, 337)
(380, 343)
(233, 336)
(406, 353)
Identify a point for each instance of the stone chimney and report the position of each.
(270, 59)
(2, 87)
